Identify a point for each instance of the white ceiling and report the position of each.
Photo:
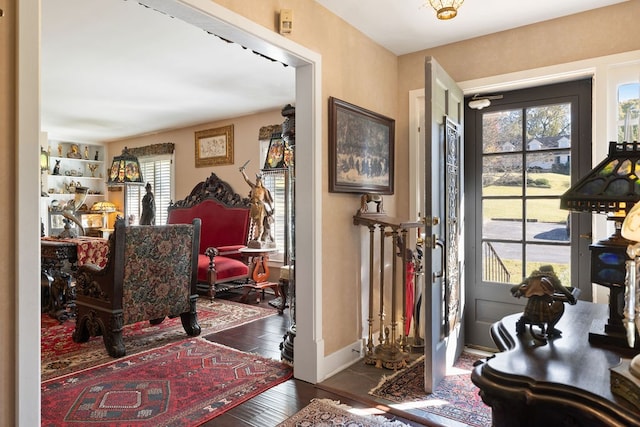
(405, 26)
(114, 69)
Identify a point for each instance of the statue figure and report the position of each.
(148, 216)
(261, 209)
(545, 305)
(56, 168)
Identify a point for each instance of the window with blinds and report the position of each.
(158, 171)
(275, 181)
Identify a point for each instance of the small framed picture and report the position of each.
(275, 154)
(214, 147)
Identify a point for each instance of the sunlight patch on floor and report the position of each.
(452, 370)
(420, 404)
(367, 411)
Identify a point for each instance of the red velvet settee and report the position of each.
(225, 229)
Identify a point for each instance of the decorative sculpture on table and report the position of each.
(261, 212)
(545, 307)
(367, 198)
(148, 216)
(69, 213)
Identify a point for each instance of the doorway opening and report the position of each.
(307, 63)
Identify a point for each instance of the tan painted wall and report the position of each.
(246, 147)
(8, 134)
(355, 70)
(592, 34)
(361, 72)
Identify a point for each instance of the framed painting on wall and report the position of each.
(214, 147)
(361, 150)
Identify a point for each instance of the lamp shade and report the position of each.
(125, 169)
(612, 186)
(44, 160)
(104, 206)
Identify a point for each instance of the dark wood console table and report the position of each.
(565, 382)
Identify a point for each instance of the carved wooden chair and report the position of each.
(150, 274)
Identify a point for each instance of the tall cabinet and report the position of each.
(71, 165)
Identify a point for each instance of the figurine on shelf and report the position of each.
(545, 307)
(92, 168)
(74, 152)
(56, 168)
(86, 152)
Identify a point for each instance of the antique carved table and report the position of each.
(565, 382)
(60, 258)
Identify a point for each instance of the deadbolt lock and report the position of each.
(430, 221)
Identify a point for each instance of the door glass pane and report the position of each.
(502, 262)
(546, 221)
(556, 256)
(502, 175)
(502, 131)
(502, 219)
(549, 126)
(548, 173)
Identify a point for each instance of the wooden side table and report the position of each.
(566, 381)
(259, 266)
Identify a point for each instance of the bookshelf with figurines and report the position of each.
(74, 165)
(71, 165)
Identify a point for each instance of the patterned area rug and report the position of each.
(456, 397)
(61, 356)
(329, 413)
(180, 384)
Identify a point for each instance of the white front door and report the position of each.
(442, 201)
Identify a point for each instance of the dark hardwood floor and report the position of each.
(282, 401)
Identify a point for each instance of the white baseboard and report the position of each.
(343, 358)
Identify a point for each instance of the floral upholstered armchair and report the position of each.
(150, 274)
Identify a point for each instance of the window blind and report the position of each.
(275, 181)
(157, 171)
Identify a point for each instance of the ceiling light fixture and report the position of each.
(446, 9)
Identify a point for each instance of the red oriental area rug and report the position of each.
(181, 384)
(61, 356)
(456, 397)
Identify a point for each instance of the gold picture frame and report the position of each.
(214, 147)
